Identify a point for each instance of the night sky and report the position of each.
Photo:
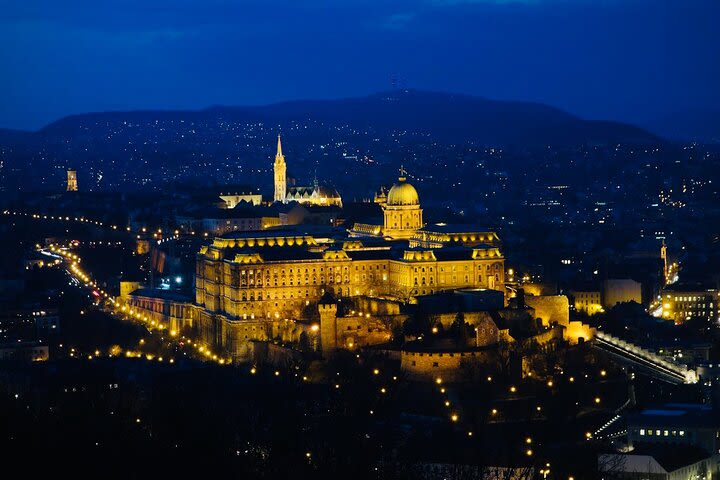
(615, 59)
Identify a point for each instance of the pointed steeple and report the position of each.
(279, 173)
(279, 153)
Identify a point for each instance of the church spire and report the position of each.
(279, 173)
(279, 153)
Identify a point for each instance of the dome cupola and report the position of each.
(402, 194)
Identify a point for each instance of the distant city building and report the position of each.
(681, 303)
(676, 424)
(621, 290)
(243, 217)
(28, 324)
(658, 462)
(72, 185)
(28, 351)
(587, 301)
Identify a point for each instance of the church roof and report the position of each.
(316, 190)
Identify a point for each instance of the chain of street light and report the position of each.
(117, 308)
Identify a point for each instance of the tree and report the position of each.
(459, 329)
(398, 335)
(304, 342)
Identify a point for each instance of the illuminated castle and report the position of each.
(314, 195)
(249, 285)
(263, 285)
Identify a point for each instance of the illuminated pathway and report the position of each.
(119, 310)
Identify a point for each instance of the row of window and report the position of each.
(662, 433)
(693, 298)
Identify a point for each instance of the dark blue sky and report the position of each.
(616, 59)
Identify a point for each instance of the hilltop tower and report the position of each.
(280, 174)
(72, 181)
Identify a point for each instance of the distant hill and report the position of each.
(448, 117)
(691, 125)
(8, 135)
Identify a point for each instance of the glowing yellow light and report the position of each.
(454, 417)
(513, 389)
(376, 371)
(438, 380)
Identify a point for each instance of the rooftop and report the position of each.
(455, 228)
(172, 295)
(683, 415)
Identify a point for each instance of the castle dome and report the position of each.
(402, 193)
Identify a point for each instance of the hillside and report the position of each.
(448, 117)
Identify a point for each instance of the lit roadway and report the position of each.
(115, 307)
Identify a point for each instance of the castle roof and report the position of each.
(402, 194)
